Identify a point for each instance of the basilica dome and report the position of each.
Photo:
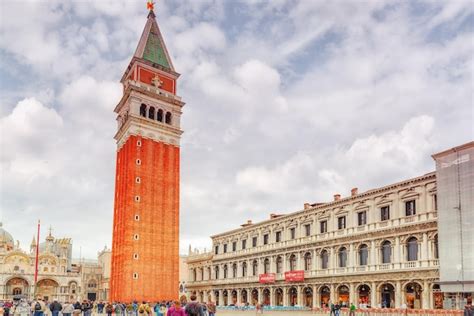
(6, 239)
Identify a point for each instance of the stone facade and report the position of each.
(377, 248)
(145, 248)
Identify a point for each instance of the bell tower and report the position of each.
(145, 246)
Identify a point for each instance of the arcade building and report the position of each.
(376, 248)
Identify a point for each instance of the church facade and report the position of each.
(145, 247)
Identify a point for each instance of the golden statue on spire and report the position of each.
(150, 5)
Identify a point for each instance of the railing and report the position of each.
(410, 264)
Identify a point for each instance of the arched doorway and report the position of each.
(387, 295)
(17, 286)
(325, 294)
(216, 295)
(266, 297)
(47, 289)
(234, 297)
(363, 293)
(437, 297)
(201, 297)
(225, 296)
(308, 296)
(254, 297)
(343, 295)
(413, 295)
(293, 296)
(244, 297)
(279, 297)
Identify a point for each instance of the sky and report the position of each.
(287, 102)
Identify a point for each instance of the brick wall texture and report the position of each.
(157, 247)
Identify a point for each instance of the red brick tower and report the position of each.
(145, 258)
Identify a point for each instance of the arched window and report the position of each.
(234, 270)
(143, 110)
(324, 259)
(159, 115)
(244, 269)
(342, 257)
(363, 255)
(254, 268)
(168, 118)
(202, 274)
(386, 252)
(266, 266)
(307, 261)
(292, 263)
(151, 113)
(225, 271)
(436, 254)
(17, 291)
(217, 272)
(209, 273)
(412, 249)
(279, 265)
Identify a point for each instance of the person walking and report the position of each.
(176, 310)
(144, 309)
(352, 309)
(332, 309)
(55, 308)
(38, 307)
(211, 308)
(68, 309)
(109, 309)
(468, 310)
(193, 308)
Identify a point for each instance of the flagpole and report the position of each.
(36, 258)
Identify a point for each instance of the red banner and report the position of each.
(294, 276)
(267, 278)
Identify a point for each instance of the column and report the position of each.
(272, 293)
(221, 298)
(239, 299)
(260, 295)
(372, 259)
(373, 295)
(299, 261)
(352, 298)
(213, 296)
(425, 296)
(285, 297)
(316, 302)
(398, 294)
(424, 249)
(272, 261)
(351, 262)
(396, 252)
(314, 263)
(333, 293)
(332, 260)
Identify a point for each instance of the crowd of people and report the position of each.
(40, 307)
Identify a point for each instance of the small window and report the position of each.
(244, 243)
(159, 115)
(362, 218)
(234, 246)
(323, 227)
(135, 276)
(341, 222)
(137, 198)
(410, 208)
(265, 239)
(435, 202)
(136, 237)
(137, 217)
(385, 213)
(225, 248)
(293, 233)
(139, 143)
(138, 162)
(138, 180)
(168, 118)
(216, 250)
(277, 236)
(307, 230)
(135, 256)
(143, 110)
(254, 242)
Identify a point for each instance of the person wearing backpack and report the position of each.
(38, 307)
(194, 308)
(144, 309)
(176, 310)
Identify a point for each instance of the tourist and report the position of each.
(77, 309)
(468, 310)
(144, 309)
(211, 308)
(22, 308)
(100, 307)
(38, 307)
(337, 309)
(176, 310)
(119, 309)
(55, 308)
(352, 310)
(193, 308)
(109, 309)
(68, 309)
(332, 307)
